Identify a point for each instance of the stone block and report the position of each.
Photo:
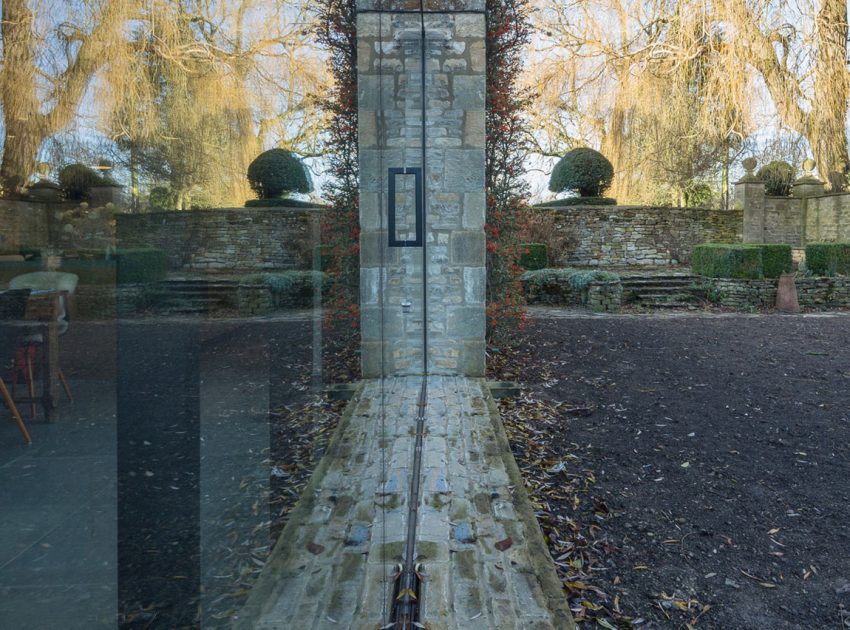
(469, 92)
(465, 322)
(474, 129)
(468, 248)
(463, 170)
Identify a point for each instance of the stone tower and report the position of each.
(421, 98)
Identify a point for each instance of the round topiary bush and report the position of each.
(276, 173)
(585, 171)
(778, 176)
(76, 181)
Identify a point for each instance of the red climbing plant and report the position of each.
(337, 31)
(508, 33)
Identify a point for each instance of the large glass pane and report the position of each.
(186, 429)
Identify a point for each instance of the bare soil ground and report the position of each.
(690, 471)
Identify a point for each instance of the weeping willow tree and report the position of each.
(800, 52)
(689, 110)
(648, 83)
(51, 52)
(203, 87)
(668, 89)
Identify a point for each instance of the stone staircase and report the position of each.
(662, 290)
(193, 296)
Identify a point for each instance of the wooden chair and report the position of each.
(65, 284)
(13, 305)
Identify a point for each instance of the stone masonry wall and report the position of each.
(827, 219)
(23, 224)
(638, 235)
(812, 293)
(390, 136)
(226, 239)
(793, 220)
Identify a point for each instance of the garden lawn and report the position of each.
(690, 470)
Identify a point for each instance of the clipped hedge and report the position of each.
(577, 201)
(534, 256)
(279, 203)
(750, 261)
(828, 259)
(140, 265)
(776, 259)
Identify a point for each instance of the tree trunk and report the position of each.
(27, 126)
(827, 134)
(23, 123)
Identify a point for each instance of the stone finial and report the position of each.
(749, 177)
(808, 168)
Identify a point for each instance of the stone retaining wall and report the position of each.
(108, 301)
(605, 297)
(237, 239)
(600, 296)
(812, 293)
(639, 235)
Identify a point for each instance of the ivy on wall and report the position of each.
(508, 32)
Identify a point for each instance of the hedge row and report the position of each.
(129, 266)
(747, 261)
(828, 259)
(577, 201)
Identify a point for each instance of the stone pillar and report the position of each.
(749, 197)
(393, 302)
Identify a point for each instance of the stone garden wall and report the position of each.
(639, 235)
(812, 293)
(795, 220)
(225, 239)
(23, 224)
(600, 296)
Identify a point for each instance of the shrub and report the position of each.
(533, 256)
(76, 181)
(578, 279)
(577, 201)
(278, 172)
(585, 171)
(828, 259)
(778, 176)
(140, 265)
